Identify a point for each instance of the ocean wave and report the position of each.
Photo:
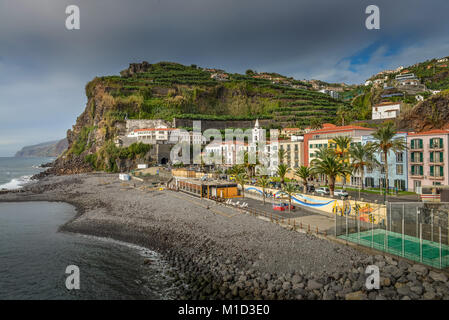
(16, 183)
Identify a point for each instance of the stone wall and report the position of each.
(220, 125)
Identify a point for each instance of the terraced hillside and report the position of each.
(168, 90)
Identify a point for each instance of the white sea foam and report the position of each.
(16, 183)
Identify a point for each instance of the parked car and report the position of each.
(310, 188)
(323, 191)
(341, 193)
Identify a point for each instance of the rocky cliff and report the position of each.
(432, 113)
(45, 149)
(170, 91)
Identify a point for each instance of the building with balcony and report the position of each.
(294, 154)
(428, 159)
(386, 110)
(397, 168)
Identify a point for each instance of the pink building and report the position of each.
(428, 159)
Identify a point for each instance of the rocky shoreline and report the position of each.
(221, 253)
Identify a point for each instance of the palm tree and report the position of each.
(304, 173)
(362, 156)
(343, 143)
(289, 189)
(282, 170)
(250, 167)
(282, 154)
(342, 151)
(331, 167)
(341, 113)
(241, 179)
(264, 183)
(315, 123)
(236, 169)
(386, 142)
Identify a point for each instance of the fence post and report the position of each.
(372, 232)
(431, 224)
(417, 212)
(441, 262)
(336, 216)
(420, 242)
(346, 227)
(358, 228)
(403, 224)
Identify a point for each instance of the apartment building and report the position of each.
(318, 138)
(397, 168)
(294, 155)
(428, 159)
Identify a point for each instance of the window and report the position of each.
(417, 170)
(416, 157)
(416, 144)
(436, 171)
(399, 157)
(399, 169)
(436, 157)
(436, 143)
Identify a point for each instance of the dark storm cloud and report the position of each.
(44, 67)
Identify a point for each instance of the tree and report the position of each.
(341, 113)
(289, 189)
(328, 165)
(304, 173)
(386, 142)
(282, 170)
(241, 179)
(263, 183)
(236, 169)
(316, 123)
(343, 144)
(250, 167)
(342, 150)
(362, 156)
(282, 154)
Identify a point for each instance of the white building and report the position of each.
(159, 134)
(386, 110)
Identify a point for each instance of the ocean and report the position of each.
(15, 172)
(34, 255)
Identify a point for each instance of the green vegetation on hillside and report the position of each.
(170, 90)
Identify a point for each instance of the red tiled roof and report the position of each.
(430, 132)
(386, 104)
(334, 128)
(154, 129)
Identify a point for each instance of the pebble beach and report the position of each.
(219, 252)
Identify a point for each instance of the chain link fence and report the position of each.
(414, 230)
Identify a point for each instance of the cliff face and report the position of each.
(432, 113)
(169, 90)
(46, 149)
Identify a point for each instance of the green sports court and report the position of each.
(424, 251)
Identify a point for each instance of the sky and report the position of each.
(44, 67)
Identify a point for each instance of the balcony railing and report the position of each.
(417, 161)
(435, 146)
(436, 177)
(416, 175)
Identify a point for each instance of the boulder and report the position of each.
(358, 295)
